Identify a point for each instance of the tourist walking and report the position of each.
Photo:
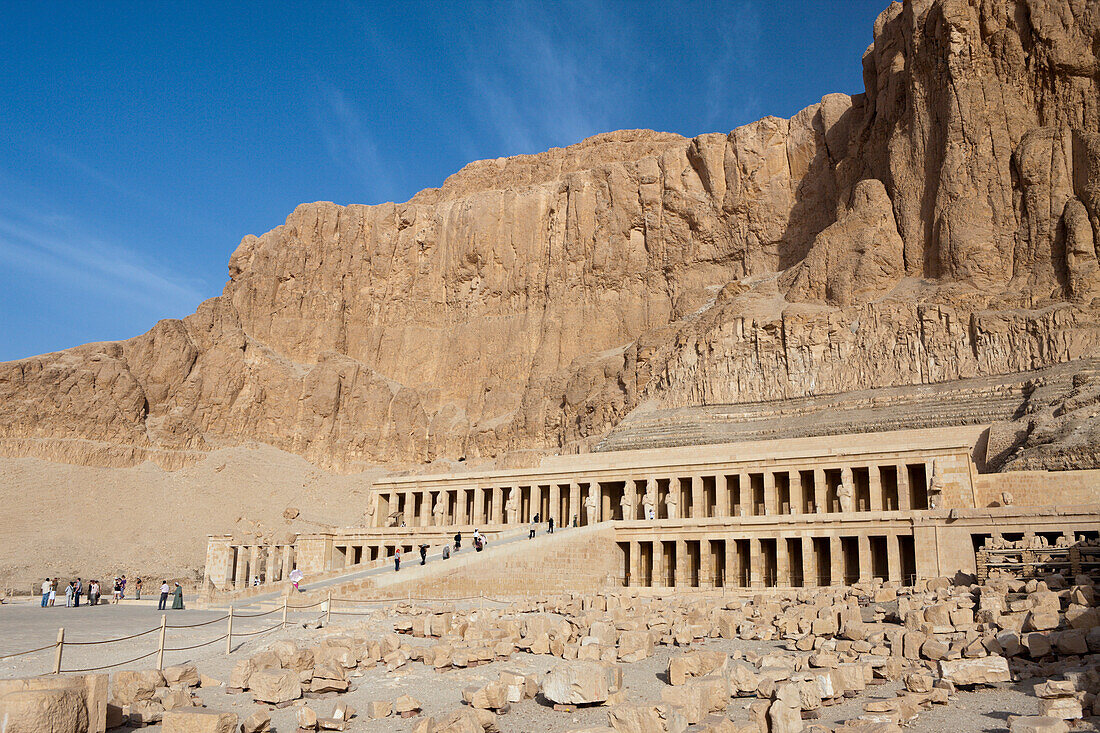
(531, 528)
(117, 590)
(296, 578)
(397, 560)
(45, 592)
(446, 552)
(177, 598)
(77, 590)
(137, 588)
(122, 588)
(163, 595)
(423, 554)
(550, 522)
(53, 592)
(458, 541)
(69, 594)
(93, 592)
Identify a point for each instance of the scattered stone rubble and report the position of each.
(837, 643)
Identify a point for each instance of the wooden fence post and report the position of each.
(284, 611)
(160, 645)
(57, 653)
(328, 608)
(229, 634)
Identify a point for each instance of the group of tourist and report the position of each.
(92, 592)
(480, 541)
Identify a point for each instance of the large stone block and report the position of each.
(275, 686)
(981, 671)
(582, 682)
(198, 721)
(44, 711)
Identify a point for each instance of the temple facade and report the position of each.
(899, 506)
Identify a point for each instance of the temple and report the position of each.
(897, 506)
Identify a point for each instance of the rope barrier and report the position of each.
(257, 615)
(111, 641)
(29, 651)
(254, 633)
(195, 626)
(109, 666)
(196, 646)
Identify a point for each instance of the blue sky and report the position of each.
(141, 143)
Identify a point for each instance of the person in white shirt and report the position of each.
(46, 585)
(164, 589)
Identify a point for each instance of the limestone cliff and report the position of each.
(941, 225)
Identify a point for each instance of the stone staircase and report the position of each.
(963, 402)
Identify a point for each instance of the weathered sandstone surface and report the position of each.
(940, 226)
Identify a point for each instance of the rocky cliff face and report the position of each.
(941, 225)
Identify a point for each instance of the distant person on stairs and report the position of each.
(531, 529)
(423, 554)
(550, 522)
(458, 541)
(397, 560)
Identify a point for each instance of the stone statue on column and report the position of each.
(438, 510)
(590, 508)
(672, 504)
(372, 507)
(649, 502)
(845, 493)
(626, 504)
(936, 486)
(511, 507)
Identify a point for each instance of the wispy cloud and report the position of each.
(542, 84)
(54, 246)
(350, 145)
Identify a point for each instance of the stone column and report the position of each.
(496, 511)
(756, 574)
(287, 561)
(698, 499)
(865, 567)
(782, 563)
(874, 482)
(683, 577)
(254, 563)
(574, 502)
(239, 581)
(480, 497)
(809, 564)
(636, 579)
(903, 488)
(706, 563)
(425, 508)
(771, 494)
(721, 496)
(733, 566)
(555, 505)
(744, 486)
(836, 561)
(595, 491)
(893, 557)
(409, 508)
(821, 492)
(269, 574)
(630, 491)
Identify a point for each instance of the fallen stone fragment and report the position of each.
(1037, 724)
(35, 711)
(582, 683)
(258, 722)
(198, 721)
(275, 686)
(982, 671)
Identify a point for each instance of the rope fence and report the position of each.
(327, 611)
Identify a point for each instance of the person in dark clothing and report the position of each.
(423, 554)
(551, 528)
(163, 595)
(458, 541)
(397, 560)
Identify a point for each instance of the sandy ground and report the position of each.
(69, 521)
(27, 626)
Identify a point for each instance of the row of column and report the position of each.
(269, 563)
(759, 562)
(745, 493)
